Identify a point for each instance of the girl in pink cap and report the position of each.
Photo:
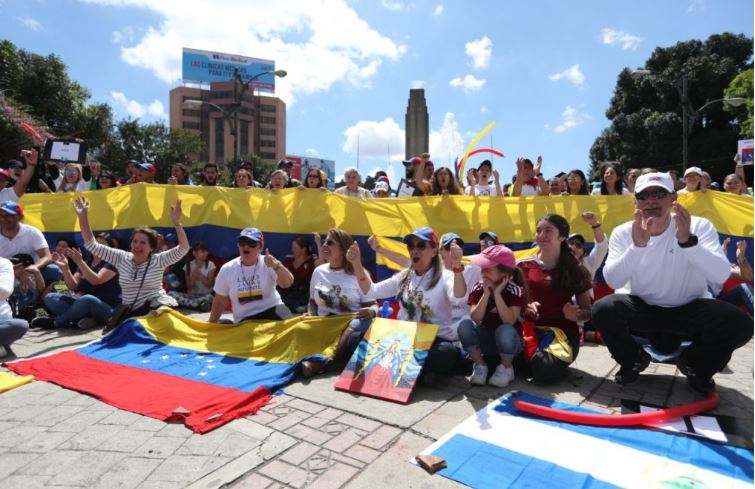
(496, 303)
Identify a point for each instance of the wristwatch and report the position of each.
(692, 241)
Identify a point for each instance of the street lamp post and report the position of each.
(689, 115)
(231, 114)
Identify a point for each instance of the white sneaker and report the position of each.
(502, 376)
(479, 374)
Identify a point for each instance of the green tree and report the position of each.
(260, 168)
(742, 86)
(645, 111)
(39, 86)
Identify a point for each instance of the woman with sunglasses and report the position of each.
(106, 180)
(611, 182)
(140, 271)
(249, 282)
(71, 180)
(576, 183)
(426, 294)
(313, 179)
(553, 277)
(340, 286)
(444, 182)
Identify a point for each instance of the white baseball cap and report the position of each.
(658, 179)
(693, 169)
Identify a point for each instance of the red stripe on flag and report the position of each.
(200, 406)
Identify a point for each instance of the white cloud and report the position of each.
(572, 74)
(397, 6)
(31, 24)
(483, 110)
(384, 140)
(438, 10)
(480, 51)
(469, 83)
(625, 40)
(418, 84)
(311, 152)
(446, 143)
(136, 110)
(381, 140)
(570, 118)
(696, 6)
(318, 43)
(125, 35)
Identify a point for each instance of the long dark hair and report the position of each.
(453, 185)
(317, 171)
(570, 276)
(436, 265)
(583, 185)
(619, 186)
(517, 276)
(344, 240)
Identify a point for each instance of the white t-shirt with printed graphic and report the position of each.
(251, 289)
(335, 291)
(420, 304)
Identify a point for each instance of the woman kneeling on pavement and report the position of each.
(553, 276)
(93, 291)
(426, 292)
(249, 282)
(140, 271)
(340, 286)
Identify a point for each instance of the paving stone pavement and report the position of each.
(311, 436)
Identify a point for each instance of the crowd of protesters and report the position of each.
(490, 311)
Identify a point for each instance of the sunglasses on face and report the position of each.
(419, 245)
(651, 194)
(329, 242)
(487, 242)
(71, 172)
(573, 179)
(576, 244)
(249, 242)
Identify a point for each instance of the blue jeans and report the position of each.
(360, 327)
(741, 295)
(11, 330)
(70, 309)
(51, 273)
(503, 340)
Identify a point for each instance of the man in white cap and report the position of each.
(661, 265)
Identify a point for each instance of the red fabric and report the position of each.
(730, 283)
(530, 339)
(303, 274)
(207, 406)
(551, 300)
(513, 296)
(601, 290)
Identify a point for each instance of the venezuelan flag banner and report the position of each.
(500, 447)
(171, 367)
(216, 214)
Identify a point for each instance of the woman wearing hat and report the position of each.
(553, 277)
(425, 293)
(249, 282)
(494, 328)
(140, 271)
(693, 177)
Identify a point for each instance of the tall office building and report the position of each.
(417, 124)
(266, 139)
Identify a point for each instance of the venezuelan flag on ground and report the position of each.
(172, 367)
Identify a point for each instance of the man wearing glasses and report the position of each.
(661, 264)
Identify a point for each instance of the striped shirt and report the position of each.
(130, 274)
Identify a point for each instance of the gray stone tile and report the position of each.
(362, 453)
(250, 428)
(253, 481)
(25, 481)
(236, 444)
(285, 473)
(145, 423)
(179, 468)
(161, 485)
(127, 441)
(342, 442)
(52, 463)
(306, 406)
(18, 434)
(175, 430)
(43, 442)
(358, 422)
(94, 465)
(275, 444)
(91, 438)
(306, 433)
(121, 417)
(288, 420)
(159, 447)
(79, 421)
(9, 462)
(335, 477)
(205, 444)
(127, 473)
(299, 453)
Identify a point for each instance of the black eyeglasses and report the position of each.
(651, 194)
(419, 245)
(249, 242)
(329, 242)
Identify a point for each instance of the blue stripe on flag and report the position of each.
(482, 465)
(135, 347)
(723, 459)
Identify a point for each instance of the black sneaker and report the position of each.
(42, 323)
(700, 384)
(629, 374)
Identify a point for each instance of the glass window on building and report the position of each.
(244, 138)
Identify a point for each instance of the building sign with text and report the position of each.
(302, 164)
(208, 66)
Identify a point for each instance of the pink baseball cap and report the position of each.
(494, 256)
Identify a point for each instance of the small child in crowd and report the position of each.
(200, 277)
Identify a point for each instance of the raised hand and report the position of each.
(172, 180)
(456, 254)
(471, 178)
(683, 219)
(176, 213)
(372, 241)
(590, 218)
(641, 229)
(270, 260)
(59, 260)
(81, 206)
(496, 176)
(318, 240)
(741, 249)
(519, 167)
(538, 165)
(74, 254)
(354, 254)
(725, 246)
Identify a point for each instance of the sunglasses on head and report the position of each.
(651, 194)
(419, 245)
(249, 242)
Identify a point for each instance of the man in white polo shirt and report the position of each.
(661, 265)
(16, 238)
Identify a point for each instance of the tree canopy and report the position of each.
(742, 86)
(646, 113)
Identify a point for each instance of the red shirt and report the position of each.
(513, 296)
(303, 274)
(552, 300)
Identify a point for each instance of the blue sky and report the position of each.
(544, 71)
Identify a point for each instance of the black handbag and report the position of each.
(121, 312)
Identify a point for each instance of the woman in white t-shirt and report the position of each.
(200, 277)
(611, 182)
(426, 293)
(481, 186)
(339, 287)
(249, 282)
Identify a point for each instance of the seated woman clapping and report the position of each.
(140, 271)
(93, 291)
